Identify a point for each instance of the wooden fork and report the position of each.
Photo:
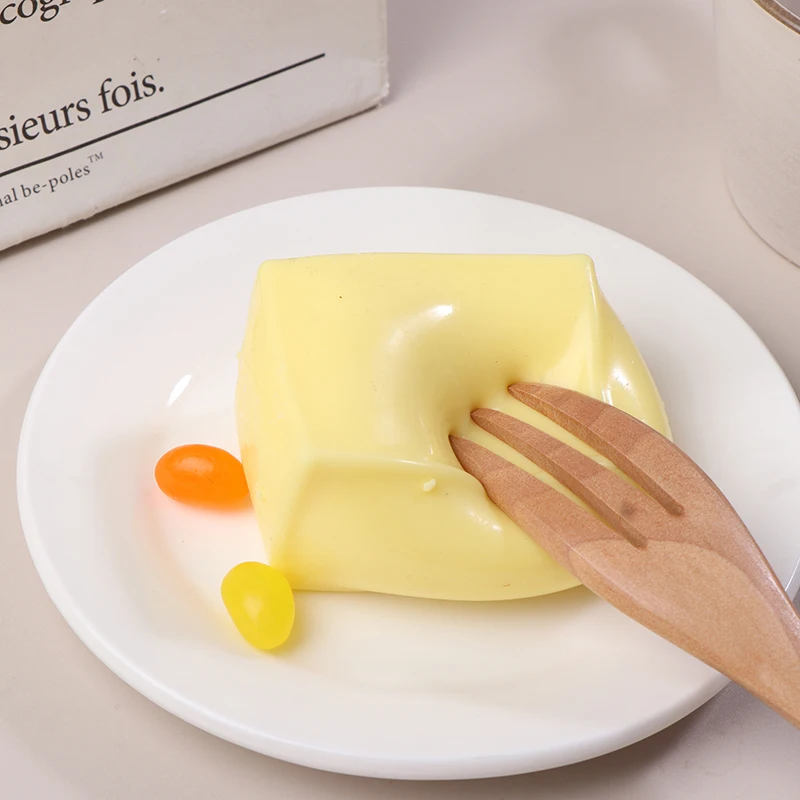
(673, 554)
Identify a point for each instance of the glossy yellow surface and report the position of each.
(354, 371)
(260, 602)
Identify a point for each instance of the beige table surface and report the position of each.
(603, 108)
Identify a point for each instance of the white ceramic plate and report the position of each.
(371, 685)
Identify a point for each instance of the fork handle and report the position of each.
(709, 608)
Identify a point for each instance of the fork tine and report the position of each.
(560, 524)
(639, 451)
(621, 505)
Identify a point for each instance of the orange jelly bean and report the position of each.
(202, 475)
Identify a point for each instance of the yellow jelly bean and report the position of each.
(260, 602)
